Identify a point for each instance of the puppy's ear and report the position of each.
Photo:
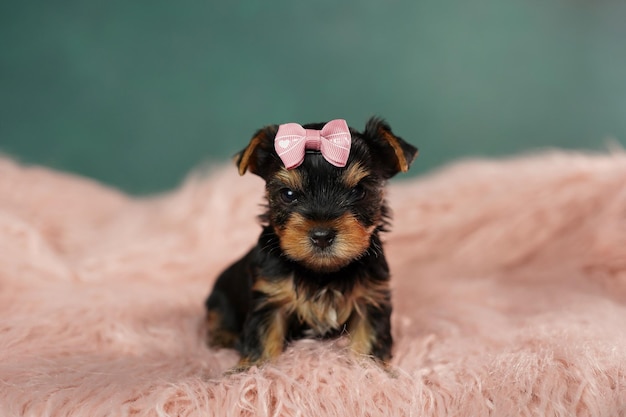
(259, 156)
(394, 154)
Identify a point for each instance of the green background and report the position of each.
(139, 93)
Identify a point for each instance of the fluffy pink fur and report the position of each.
(509, 286)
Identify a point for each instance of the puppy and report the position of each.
(318, 268)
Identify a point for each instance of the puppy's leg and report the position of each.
(221, 323)
(263, 337)
(228, 304)
(369, 328)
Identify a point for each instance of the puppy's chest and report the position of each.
(323, 310)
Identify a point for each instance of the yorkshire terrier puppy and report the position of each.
(318, 268)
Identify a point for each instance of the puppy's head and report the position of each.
(324, 215)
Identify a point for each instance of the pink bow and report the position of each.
(333, 141)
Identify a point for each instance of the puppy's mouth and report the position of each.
(325, 246)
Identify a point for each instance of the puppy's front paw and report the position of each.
(243, 365)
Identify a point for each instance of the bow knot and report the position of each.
(333, 141)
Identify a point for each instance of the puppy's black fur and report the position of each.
(318, 268)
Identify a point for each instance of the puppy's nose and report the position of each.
(322, 237)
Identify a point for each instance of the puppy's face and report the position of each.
(323, 215)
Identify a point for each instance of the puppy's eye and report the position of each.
(288, 195)
(358, 192)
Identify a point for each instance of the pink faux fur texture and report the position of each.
(509, 283)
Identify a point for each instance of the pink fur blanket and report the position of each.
(509, 282)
